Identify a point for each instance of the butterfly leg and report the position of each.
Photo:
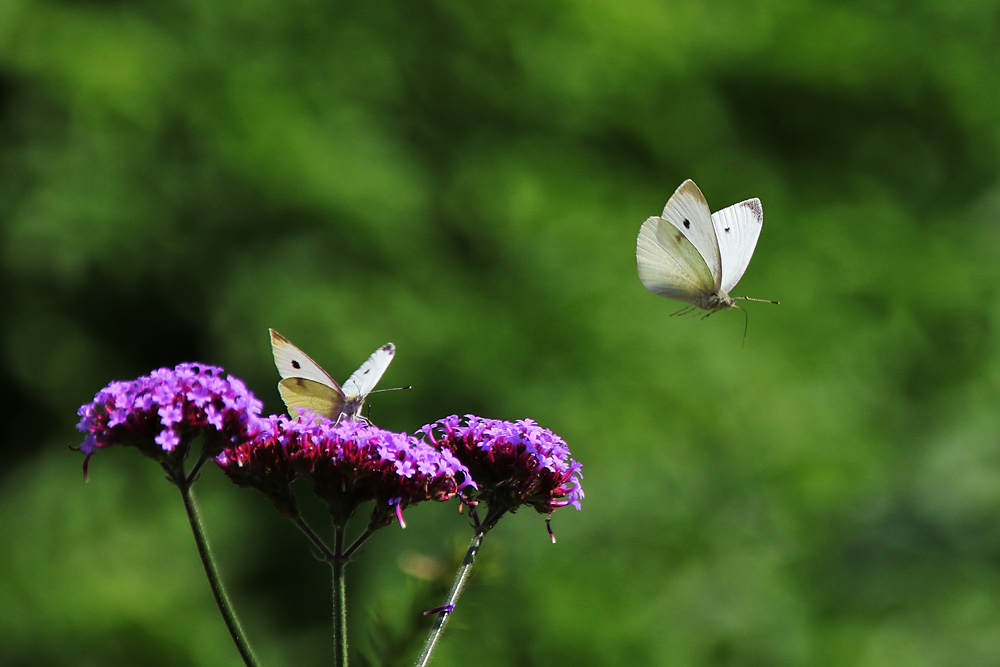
(683, 311)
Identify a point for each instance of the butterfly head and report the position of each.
(716, 301)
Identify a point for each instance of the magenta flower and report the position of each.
(161, 413)
(513, 463)
(348, 463)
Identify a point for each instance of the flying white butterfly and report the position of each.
(305, 385)
(696, 256)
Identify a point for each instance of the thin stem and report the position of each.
(328, 555)
(339, 599)
(461, 579)
(191, 476)
(369, 531)
(225, 606)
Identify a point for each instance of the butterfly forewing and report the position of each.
(363, 380)
(737, 228)
(294, 363)
(687, 210)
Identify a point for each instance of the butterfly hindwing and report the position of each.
(302, 394)
(669, 264)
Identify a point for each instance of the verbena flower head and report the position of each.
(513, 463)
(161, 413)
(348, 463)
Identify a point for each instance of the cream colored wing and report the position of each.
(302, 394)
(670, 265)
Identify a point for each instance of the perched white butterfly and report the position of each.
(696, 256)
(305, 385)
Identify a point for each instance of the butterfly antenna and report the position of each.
(746, 325)
(750, 298)
(746, 315)
(377, 391)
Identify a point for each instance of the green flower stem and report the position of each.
(461, 579)
(225, 606)
(338, 559)
(339, 563)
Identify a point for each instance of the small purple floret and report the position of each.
(443, 609)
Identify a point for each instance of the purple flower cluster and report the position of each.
(513, 463)
(505, 464)
(167, 409)
(348, 463)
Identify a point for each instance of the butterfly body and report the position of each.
(305, 385)
(693, 255)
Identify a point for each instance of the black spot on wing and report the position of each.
(726, 230)
(687, 224)
(296, 365)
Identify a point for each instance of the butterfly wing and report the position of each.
(737, 228)
(304, 383)
(670, 265)
(687, 210)
(302, 394)
(363, 380)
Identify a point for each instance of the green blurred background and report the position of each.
(467, 180)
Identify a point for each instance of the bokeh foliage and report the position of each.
(467, 180)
